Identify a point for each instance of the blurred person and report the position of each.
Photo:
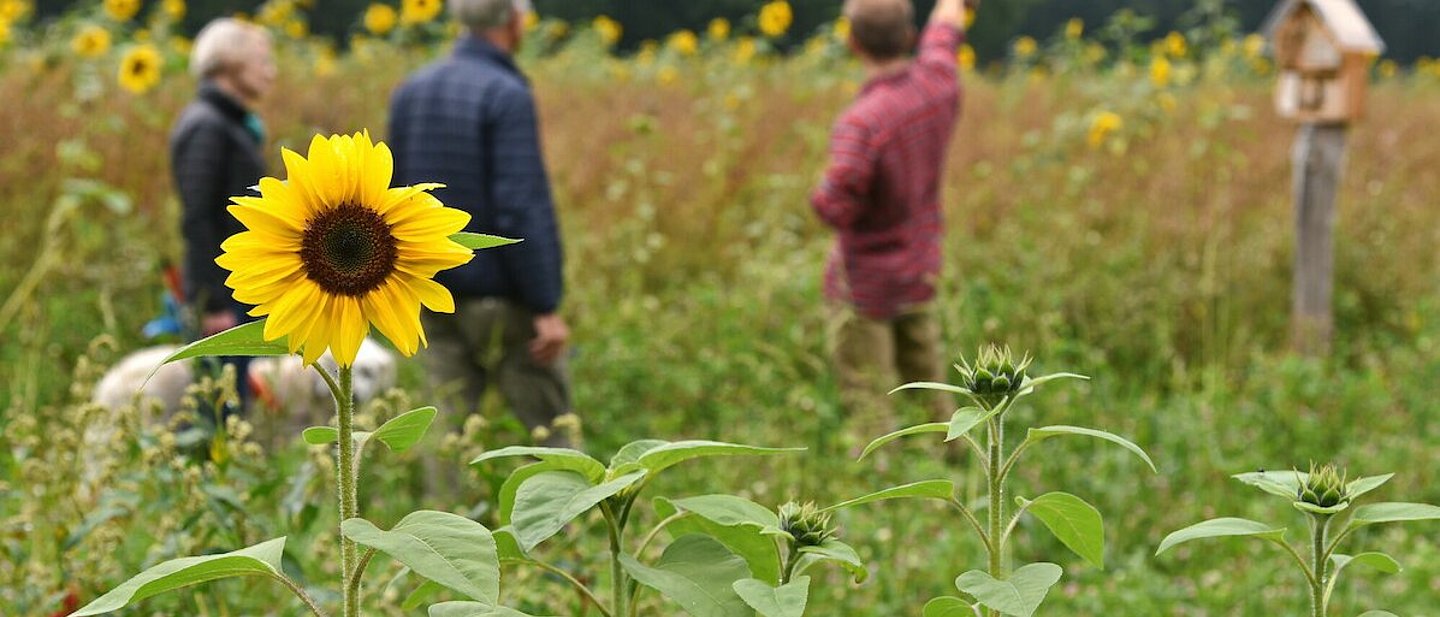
(469, 122)
(215, 153)
(881, 193)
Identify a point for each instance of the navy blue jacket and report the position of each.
(469, 122)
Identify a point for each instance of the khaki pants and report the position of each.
(873, 357)
(490, 338)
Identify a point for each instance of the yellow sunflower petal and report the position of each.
(300, 181)
(291, 309)
(267, 220)
(431, 225)
(350, 329)
(317, 340)
(401, 195)
(433, 295)
(382, 306)
(378, 173)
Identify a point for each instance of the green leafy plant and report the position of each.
(993, 383)
(450, 550)
(729, 556)
(1325, 497)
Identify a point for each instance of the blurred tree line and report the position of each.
(1409, 27)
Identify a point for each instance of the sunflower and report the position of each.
(12, 11)
(775, 18)
(380, 19)
(122, 10)
(173, 9)
(140, 69)
(719, 29)
(91, 42)
(420, 11)
(334, 250)
(684, 42)
(609, 29)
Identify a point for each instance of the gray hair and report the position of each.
(221, 44)
(487, 14)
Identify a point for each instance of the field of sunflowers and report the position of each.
(1118, 203)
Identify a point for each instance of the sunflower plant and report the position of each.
(1324, 496)
(993, 383)
(328, 254)
(727, 556)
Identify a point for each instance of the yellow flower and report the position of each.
(842, 28)
(1074, 29)
(297, 29)
(1160, 72)
(609, 30)
(140, 69)
(4, 33)
(668, 75)
(1175, 45)
(966, 57)
(325, 63)
(91, 42)
(181, 45)
(969, 16)
(380, 19)
(1387, 68)
(334, 250)
(719, 29)
(557, 29)
(745, 51)
(684, 42)
(531, 19)
(775, 18)
(12, 11)
(1101, 126)
(1254, 45)
(122, 10)
(420, 11)
(1095, 53)
(173, 9)
(1025, 47)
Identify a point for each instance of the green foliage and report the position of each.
(1324, 496)
(993, 383)
(259, 560)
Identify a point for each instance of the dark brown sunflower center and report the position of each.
(348, 251)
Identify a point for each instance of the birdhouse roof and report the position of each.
(1346, 22)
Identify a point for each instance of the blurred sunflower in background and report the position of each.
(140, 69)
(173, 9)
(380, 19)
(334, 249)
(122, 10)
(719, 29)
(12, 11)
(775, 18)
(91, 42)
(1101, 126)
(420, 11)
(684, 42)
(609, 29)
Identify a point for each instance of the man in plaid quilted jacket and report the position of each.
(881, 193)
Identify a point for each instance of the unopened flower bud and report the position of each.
(806, 523)
(1325, 488)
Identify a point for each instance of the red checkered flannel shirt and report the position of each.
(881, 191)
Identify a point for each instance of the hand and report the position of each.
(953, 12)
(551, 335)
(215, 323)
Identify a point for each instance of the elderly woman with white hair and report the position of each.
(215, 153)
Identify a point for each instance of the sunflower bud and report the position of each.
(1325, 488)
(806, 523)
(995, 373)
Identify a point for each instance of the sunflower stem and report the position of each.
(345, 472)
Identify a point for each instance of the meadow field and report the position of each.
(1113, 217)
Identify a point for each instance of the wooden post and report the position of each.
(1319, 157)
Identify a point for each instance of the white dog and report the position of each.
(279, 384)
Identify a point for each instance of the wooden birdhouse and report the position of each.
(1323, 50)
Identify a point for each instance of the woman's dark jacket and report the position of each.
(214, 155)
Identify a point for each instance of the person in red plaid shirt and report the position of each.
(881, 194)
